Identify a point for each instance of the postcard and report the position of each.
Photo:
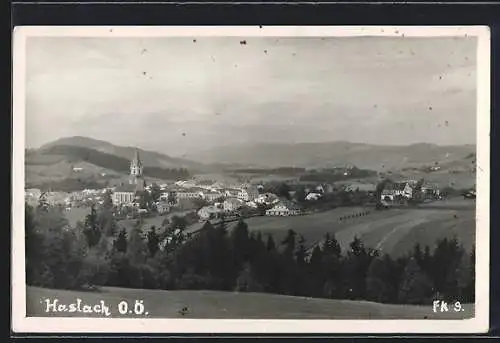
(251, 179)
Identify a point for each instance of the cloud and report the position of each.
(147, 91)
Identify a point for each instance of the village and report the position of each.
(209, 201)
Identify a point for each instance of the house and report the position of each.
(430, 190)
(267, 198)
(251, 204)
(284, 208)
(164, 195)
(313, 196)
(162, 207)
(209, 212)
(320, 189)
(232, 204)
(248, 194)
(403, 189)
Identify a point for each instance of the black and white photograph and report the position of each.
(251, 179)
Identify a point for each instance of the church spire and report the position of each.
(136, 161)
(136, 168)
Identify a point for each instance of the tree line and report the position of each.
(98, 252)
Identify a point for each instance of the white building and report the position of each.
(164, 195)
(267, 198)
(232, 204)
(124, 195)
(212, 196)
(284, 208)
(209, 212)
(162, 207)
(313, 196)
(403, 189)
(248, 194)
(190, 193)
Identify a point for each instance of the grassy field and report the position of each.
(393, 231)
(230, 305)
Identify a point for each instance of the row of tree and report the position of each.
(96, 252)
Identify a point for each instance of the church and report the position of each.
(127, 194)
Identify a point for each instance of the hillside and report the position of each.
(149, 158)
(227, 305)
(393, 232)
(57, 163)
(314, 155)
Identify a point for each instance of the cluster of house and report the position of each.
(407, 189)
(67, 199)
(248, 197)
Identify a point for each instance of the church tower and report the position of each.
(136, 168)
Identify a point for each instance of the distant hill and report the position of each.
(149, 158)
(334, 154)
(71, 162)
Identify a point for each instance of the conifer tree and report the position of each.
(120, 242)
(153, 241)
(240, 244)
(270, 245)
(416, 287)
(137, 249)
(92, 230)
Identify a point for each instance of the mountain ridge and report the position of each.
(331, 154)
(275, 155)
(148, 157)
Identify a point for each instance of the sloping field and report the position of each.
(219, 305)
(313, 227)
(396, 234)
(393, 231)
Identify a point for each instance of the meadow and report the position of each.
(233, 305)
(394, 231)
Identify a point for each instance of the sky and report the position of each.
(178, 95)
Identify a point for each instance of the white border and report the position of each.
(479, 324)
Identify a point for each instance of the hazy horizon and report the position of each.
(177, 96)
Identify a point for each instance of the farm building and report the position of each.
(397, 189)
